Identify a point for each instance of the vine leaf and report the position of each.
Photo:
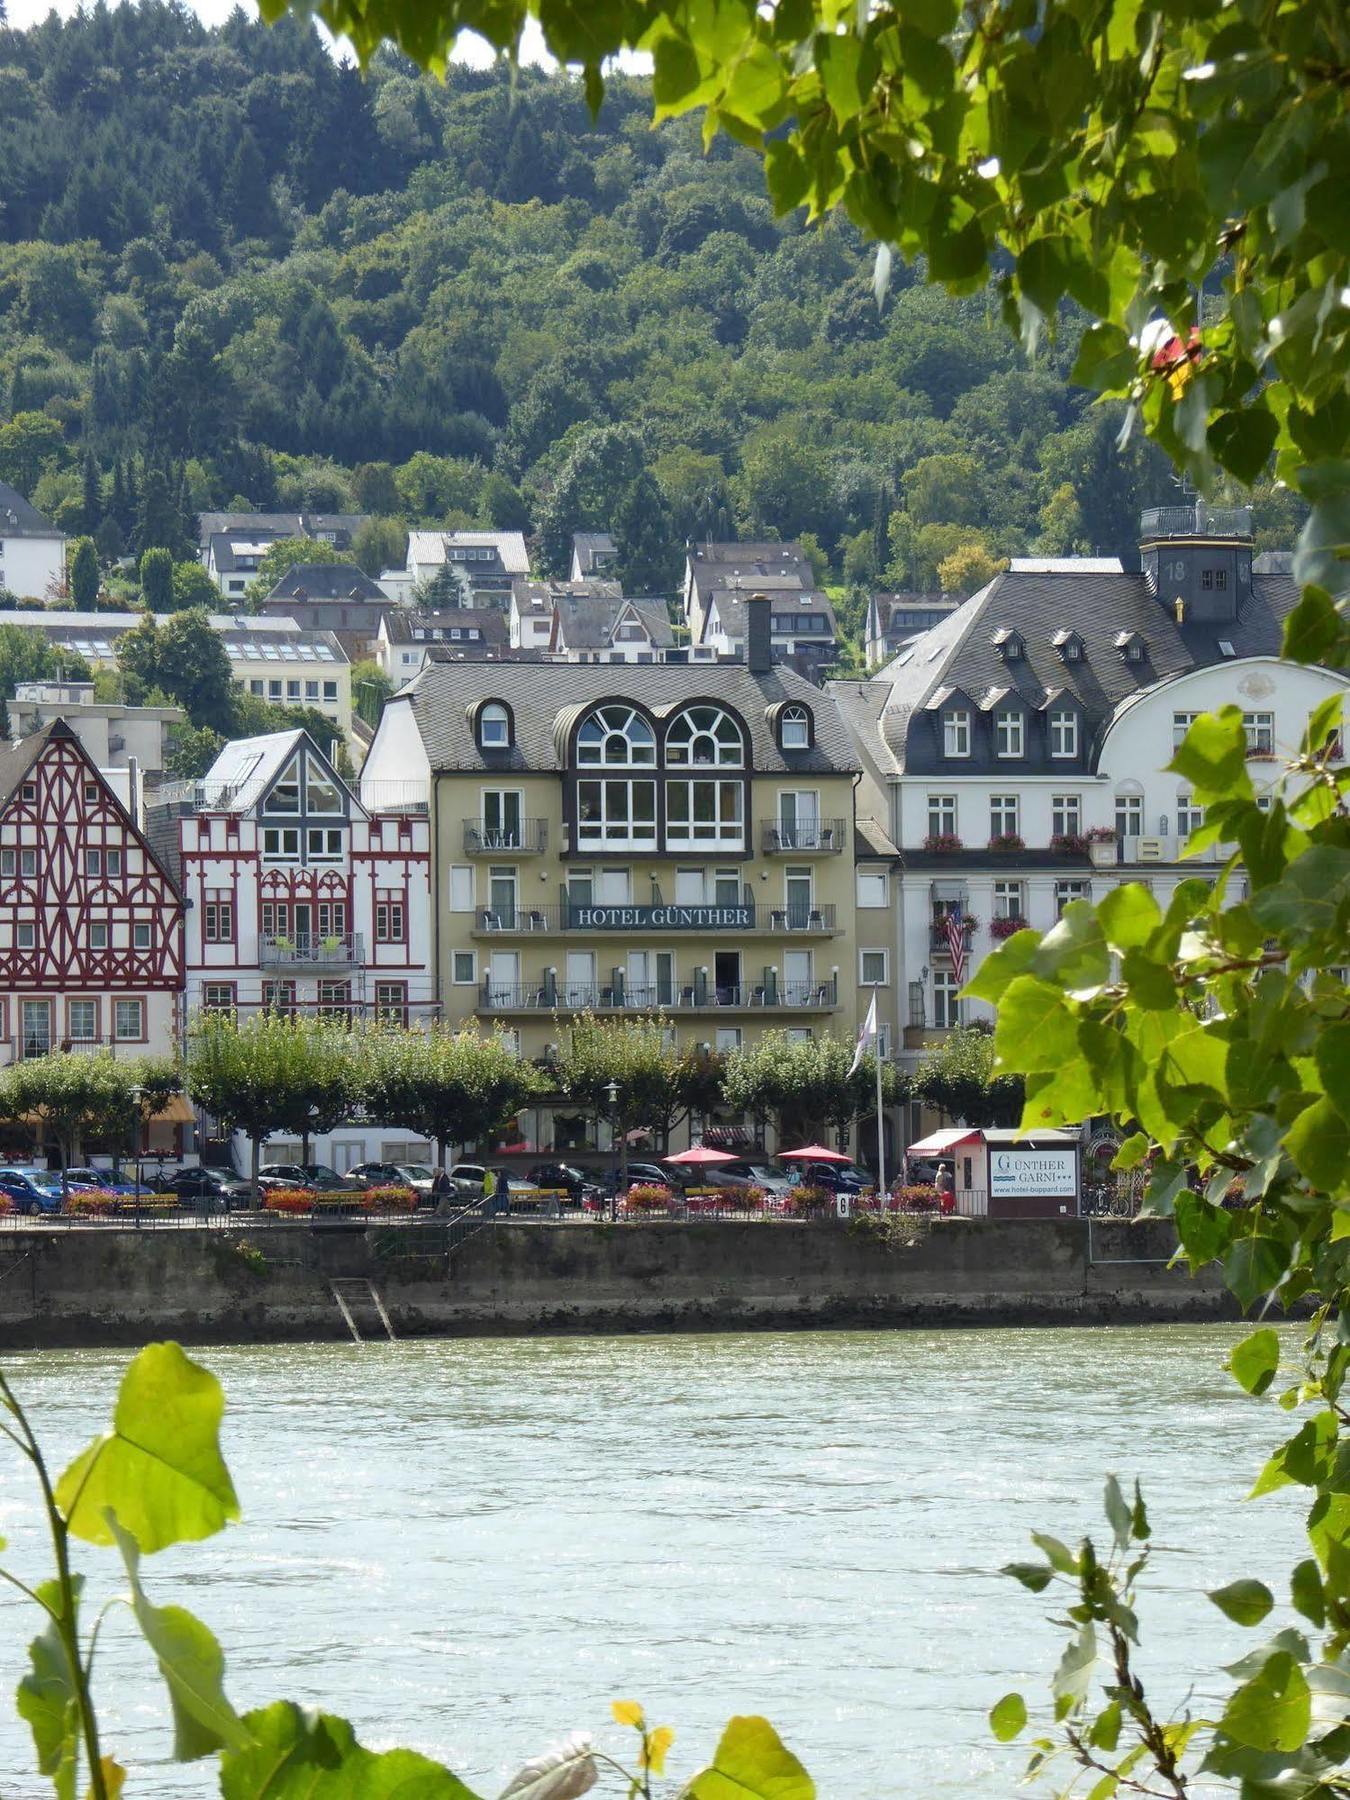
(752, 1763)
(160, 1468)
(46, 1696)
(297, 1754)
(191, 1662)
(1244, 1602)
(559, 1774)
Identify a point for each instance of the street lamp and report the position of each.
(138, 1102)
(612, 1092)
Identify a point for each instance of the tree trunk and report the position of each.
(304, 1149)
(255, 1161)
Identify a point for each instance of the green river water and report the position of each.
(471, 1547)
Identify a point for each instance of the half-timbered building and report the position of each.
(91, 925)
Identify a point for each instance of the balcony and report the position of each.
(734, 920)
(1195, 521)
(694, 996)
(937, 939)
(802, 837)
(524, 837)
(340, 951)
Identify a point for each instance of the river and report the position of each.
(472, 1546)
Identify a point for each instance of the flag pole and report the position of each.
(881, 1131)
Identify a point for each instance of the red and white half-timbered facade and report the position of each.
(91, 925)
(302, 901)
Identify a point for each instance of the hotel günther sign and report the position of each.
(662, 918)
(1052, 1173)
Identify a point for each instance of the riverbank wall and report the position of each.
(231, 1284)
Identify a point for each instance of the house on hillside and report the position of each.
(894, 620)
(232, 545)
(594, 622)
(406, 637)
(484, 562)
(719, 576)
(336, 597)
(593, 553)
(32, 549)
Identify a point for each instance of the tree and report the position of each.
(91, 494)
(502, 504)
(967, 570)
(191, 751)
(380, 544)
(945, 490)
(449, 1087)
(156, 573)
(159, 523)
(27, 656)
(374, 488)
(647, 562)
(284, 554)
(956, 1079)
(84, 575)
(1061, 522)
(184, 659)
(638, 1060)
(69, 1095)
(28, 443)
(804, 1085)
(192, 586)
(371, 687)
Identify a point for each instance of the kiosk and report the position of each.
(1007, 1174)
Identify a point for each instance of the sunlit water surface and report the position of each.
(471, 1547)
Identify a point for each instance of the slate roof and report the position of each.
(587, 545)
(17, 758)
(588, 615)
(279, 525)
(783, 598)
(19, 519)
(546, 698)
(401, 624)
(328, 581)
(712, 566)
(433, 547)
(957, 655)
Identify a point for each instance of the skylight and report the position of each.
(1225, 648)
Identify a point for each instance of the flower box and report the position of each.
(1006, 928)
(1071, 843)
(1007, 842)
(808, 1202)
(646, 1198)
(943, 843)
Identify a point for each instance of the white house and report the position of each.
(115, 736)
(1015, 755)
(32, 550)
(232, 545)
(406, 636)
(486, 561)
(593, 552)
(303, 900)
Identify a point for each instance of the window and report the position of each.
(25, 935)
(98, 936)
(942, 815)
(218, 922)
(276, 918)
(1009, 900)
(872, 971)
(28, 791)
(324, 846)
(335, 999)
(391, 1002)
(256, 687)
(704, 812)
(1214, 580)
(218, 996)
(1190, 817)
(129, 1018)
(1066, 815)
(292, 690)
(82, 1021)
(311, 690)
(461, 889)
(1129, 815)
(619, 812)
(946, 1006)
(274, 690)
(8, 862)
(463, 971)
(281, 846)
(798, 896)
(704, 738)
(330, 690)
(501, 829)
(494, 727)
(728, 1038)
(321, 795)
(112, 862)
(1260, 730)
(279, 997)
(794, 728)
(93, 862)
(618, 737)
(1063, 732)
(1181, 724)
(1070, 890)
(872, 889)
(1003, 815)
(91, 791)
(389, 922)
(284, 798)
(140, 934)
(332, 918)
(1009, 733)
(28, 862)
(956, 733)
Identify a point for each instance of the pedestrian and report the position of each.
(502, 1192)
(946, 1188)
(489, 1189)
(441, 1189)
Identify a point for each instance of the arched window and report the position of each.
(794, 728)
(494, 726)
(704, 737)
(615, 737)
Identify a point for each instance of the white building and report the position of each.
(303, 900)
(487, 561)
(115, 736)
(718, 579)
(1015, 755)
(405, 637)
(32, 550)
(232, 545)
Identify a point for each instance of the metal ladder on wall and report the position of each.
(353, 1290)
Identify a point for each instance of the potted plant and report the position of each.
(1101, 843)
(330, 945)
(807, 1201)
(1006, 928)
(645, 1197)
(943, 843)
(1069, 843)
(1006, 842)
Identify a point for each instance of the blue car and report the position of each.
(31, 1191)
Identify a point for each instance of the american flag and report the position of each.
(956, 943)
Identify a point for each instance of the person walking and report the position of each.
(441, 1189)
(489, 1190)
(946, 1188)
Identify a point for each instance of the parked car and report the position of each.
(837, 1178)
(561, 1175)
(764, 1175)
(31, 1190)
(467, 1179)
(418, 1176)
(305, 1175)
(655, 1173)
(109, 1181)
(203, 1184)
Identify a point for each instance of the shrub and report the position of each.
(646, 1197)
(370, 1200)
(101, 1203)
(289, 1200)
(382, 1199)
(807, 1200)
(914, 1198)
(1102, 834)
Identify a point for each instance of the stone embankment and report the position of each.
(241, 1283)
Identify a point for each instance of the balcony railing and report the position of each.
(548, 995)
(802, 837)
(339, 951)
(731, 920)
(526, 837)
(394, 796)
(937, 939)
(1196, 521)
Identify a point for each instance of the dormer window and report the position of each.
(1063, 724)
(1069, 645)
(956, 732)
(1131, 646)
(794, 728)
(1010, 644)
(494, 726)
(1009, 732)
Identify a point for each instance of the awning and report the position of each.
(177, 1112)
(942, 1143)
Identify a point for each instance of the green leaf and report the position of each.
(1205, 1230)
(1243, 441)
(1129, 916)
(1313, 630)
(1319, 1142)
(1132, 1152)
(1059, 1556)
(1254, 1267)
(1105, 1732)
(297, 1754)
(160, 1468)
(752, 1763)
(1213, 756)
(1273, 1710)
(1035, 1029)
(46, 1697)
(1035, 1576)
(1007, 1717)
(1244, 1602)
(1313, 890)
(191, 1662)
(1255, 1360)
(1305, 1590)
(1073, 952)
(996, 972)
(1074, 1673)
(1333, 1065)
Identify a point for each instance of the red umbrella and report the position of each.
(813, 1153)
(700, 1153)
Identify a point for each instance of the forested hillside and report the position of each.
(227, 257)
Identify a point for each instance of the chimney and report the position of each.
(758, 643)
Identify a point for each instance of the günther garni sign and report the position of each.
(662, 918)
(1052, 1173)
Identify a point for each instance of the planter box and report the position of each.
(1104, 856)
